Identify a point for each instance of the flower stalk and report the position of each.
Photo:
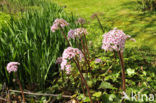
(84, 53)
(99, 22)
(122, 70)
(65, 37)
(20, 86)
(83, 79)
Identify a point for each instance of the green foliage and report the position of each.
(30, 41)
(147, 5)
(4, 19)
(106, 85)
(18, 6)
(104, 79)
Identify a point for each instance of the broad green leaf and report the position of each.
(97, 94)
(112, 96)
(60, 96)
(86, 99)
(130, 72)
(106, 85)
(90, 83)
(81, 96)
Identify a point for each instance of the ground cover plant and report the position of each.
(49, 55)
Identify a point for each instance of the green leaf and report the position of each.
(90, 83)
(75, 95)
(106, 85)
(81, 96)
(59, 96)
(97, 94)
(111, 97)
(86, 99)
(130, 72)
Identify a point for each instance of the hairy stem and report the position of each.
(83, 89)
(20, 86)
(86, 46)
(123, 73)
(83, 79)
(65, 37)
(8, 94)
(84, 53)
(122, 70)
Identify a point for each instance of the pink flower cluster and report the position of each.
(58, 23)
(12, 66)
(71, 34)
(79, 32)
(67, 55)
(114, 40)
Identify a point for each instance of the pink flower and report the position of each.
(79, 32)
(114, 40)
(58, 23)
(12, 66)
(71, 52)
(59, 60)
(68, 54)
(97, 60)
(68, 69)
(71, 34)
(63, 64)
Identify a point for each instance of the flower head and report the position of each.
(71, 34)
(79, 32)
(68, 54)
(71, 52)
(12, 66)
(58, 23)
(114, 40)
